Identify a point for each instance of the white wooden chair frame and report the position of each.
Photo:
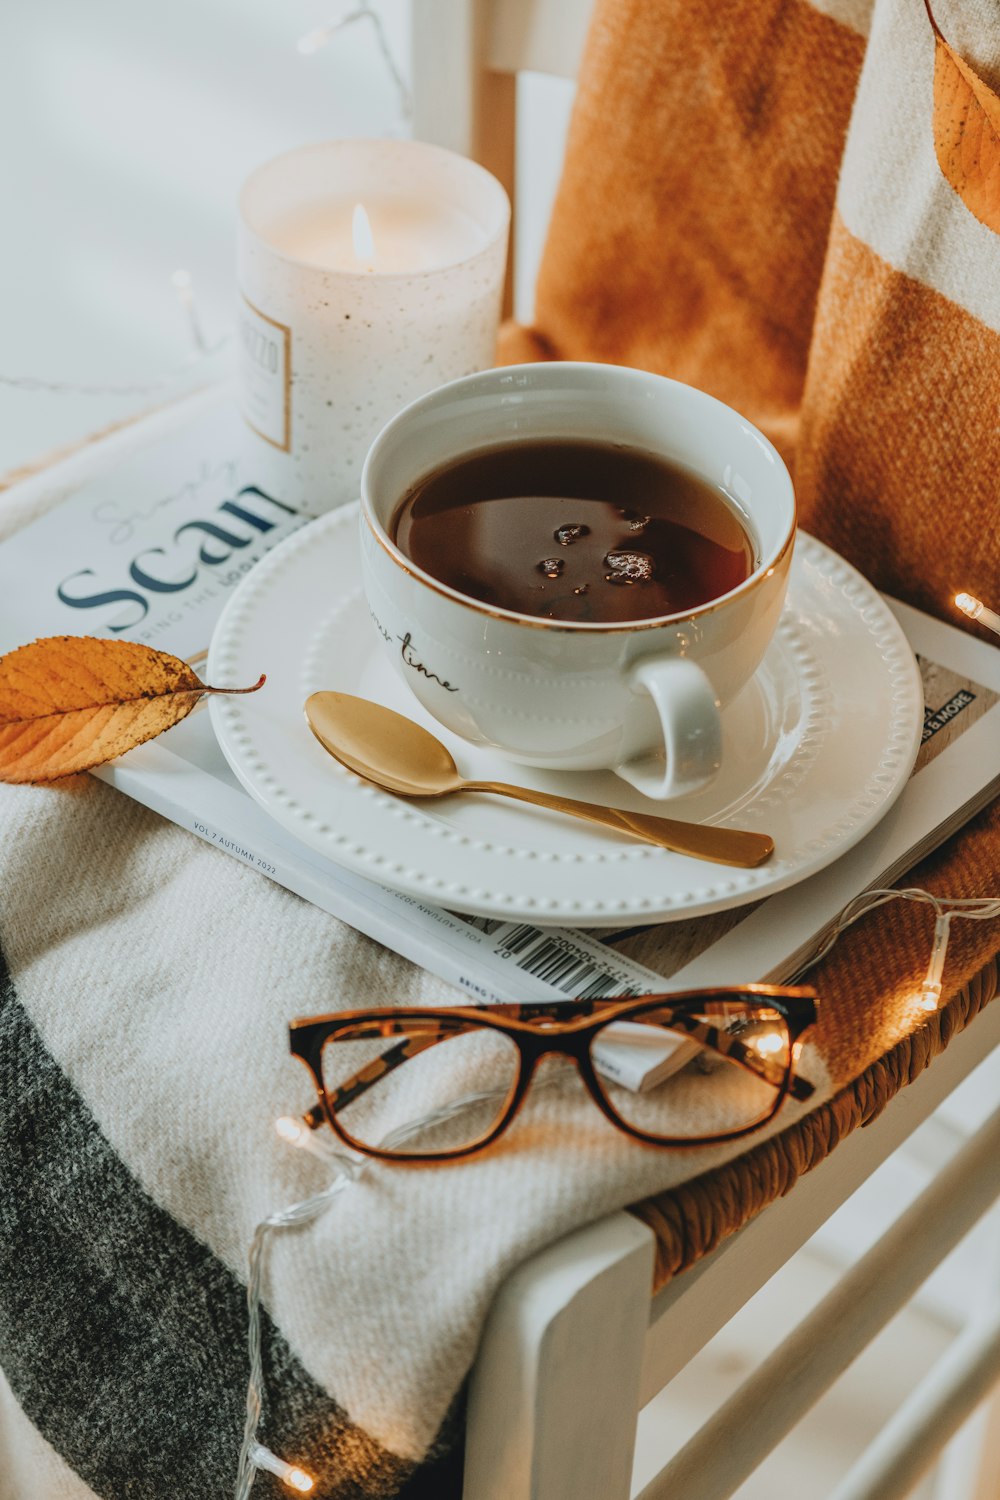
(465, 57)
(575, 1345)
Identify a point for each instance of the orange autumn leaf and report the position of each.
(71, 702)
(966, 131)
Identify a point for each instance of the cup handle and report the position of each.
(688, 711)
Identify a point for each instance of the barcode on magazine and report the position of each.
(550, 960)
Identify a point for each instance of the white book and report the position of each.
(144, 535)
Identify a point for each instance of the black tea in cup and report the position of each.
(579, 531)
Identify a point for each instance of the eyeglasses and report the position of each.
(709, 1065)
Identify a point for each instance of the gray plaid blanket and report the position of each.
(147, 984)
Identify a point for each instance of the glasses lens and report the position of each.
(691, 1073)
(432, 1086)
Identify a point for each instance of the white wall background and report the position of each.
(128, 128)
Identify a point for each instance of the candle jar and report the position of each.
(369, 272)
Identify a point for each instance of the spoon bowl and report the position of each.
(402, 757)
(382, 746)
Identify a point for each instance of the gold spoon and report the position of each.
(401, 757)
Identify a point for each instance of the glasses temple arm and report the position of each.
(716, 1040)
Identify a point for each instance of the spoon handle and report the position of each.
(726, 846)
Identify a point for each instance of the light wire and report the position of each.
(183, 286)
(349, 1170)
(315, 40)
(945, 908)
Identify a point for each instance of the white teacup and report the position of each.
(642, 697)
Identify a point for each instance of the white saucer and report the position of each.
(815, 751)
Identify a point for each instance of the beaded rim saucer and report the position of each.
(815, 751)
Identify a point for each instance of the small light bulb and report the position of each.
(930, 995)
(296, 1133)
(977, 610)
(290, 1130)
(930, 990)
(183, 285)
(770, 1042)
(290, 1474)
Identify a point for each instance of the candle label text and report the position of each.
(265, 357)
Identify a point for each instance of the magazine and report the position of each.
(143, 536)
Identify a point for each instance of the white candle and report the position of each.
(405, 235)
(338, 331)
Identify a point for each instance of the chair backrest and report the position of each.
(465, 56)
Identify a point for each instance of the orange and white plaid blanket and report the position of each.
(754, 201)
(795, 205)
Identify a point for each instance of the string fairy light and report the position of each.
(123, 388)
(977, 610)
(946, 909)
(297, 1134)
(350, 1169)
(316, 40)
(253, 1455)
(183, 286)
(181, 280)
(768, 1043)
(290, 1474)
(930, 989)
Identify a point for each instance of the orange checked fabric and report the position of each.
(753, 202)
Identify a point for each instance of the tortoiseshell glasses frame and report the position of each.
(568, 1028)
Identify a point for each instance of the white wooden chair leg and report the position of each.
(460, 101)
(960, 1473)
(969, 1466)
(445, 62)
(554, 1395)
(909, 1443)
(767, 1406)
(987, 1481)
